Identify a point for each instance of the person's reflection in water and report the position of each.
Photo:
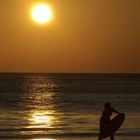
(105, 119)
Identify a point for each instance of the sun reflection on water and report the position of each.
(41, 119)
(39, 91)
(43, 139)
(40, 101)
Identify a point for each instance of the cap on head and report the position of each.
(107, 105)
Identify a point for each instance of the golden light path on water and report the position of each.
(42, 116)
(42, 101)
(43, 139)
(41, 119)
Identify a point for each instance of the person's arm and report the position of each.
(115, 111)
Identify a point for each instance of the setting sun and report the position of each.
(41, 13)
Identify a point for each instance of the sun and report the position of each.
(41, 13)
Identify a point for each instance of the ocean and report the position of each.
(43, 106)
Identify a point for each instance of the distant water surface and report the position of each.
(66, 104)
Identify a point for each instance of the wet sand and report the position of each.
(76, 138)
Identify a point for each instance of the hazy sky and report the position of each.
(84, 36)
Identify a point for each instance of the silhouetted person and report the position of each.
(105, 121)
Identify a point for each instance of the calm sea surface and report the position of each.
(66, 104)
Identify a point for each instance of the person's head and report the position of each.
(107, 105)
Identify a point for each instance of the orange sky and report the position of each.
(84, 36)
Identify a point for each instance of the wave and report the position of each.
(68, 135)
(31, 129)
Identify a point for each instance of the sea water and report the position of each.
(35, 105)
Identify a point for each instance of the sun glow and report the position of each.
(41, 13)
